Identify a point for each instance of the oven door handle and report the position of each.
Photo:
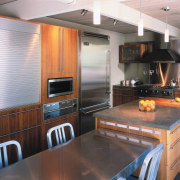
(94, 110)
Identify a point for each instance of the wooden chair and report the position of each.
(59, 134)
(151, 163)
(3, 146)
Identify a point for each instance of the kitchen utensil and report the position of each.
(173, 83)
(133, 81)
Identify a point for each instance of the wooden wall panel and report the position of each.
(19, 119)
(29, 139)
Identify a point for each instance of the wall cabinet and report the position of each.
(59, 52)
(68, 50)
(123, 95)
(133, 53)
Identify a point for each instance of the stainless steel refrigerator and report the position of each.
(94, 86)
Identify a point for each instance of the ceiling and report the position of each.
(106, 22)
(154, 8)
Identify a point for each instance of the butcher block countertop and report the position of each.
(166, 115)
(162, 101)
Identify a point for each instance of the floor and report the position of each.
(177, 177)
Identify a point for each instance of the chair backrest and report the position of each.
(152, 162)
(3, 146)
(59, 133)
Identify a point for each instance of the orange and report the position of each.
(142, 108)
(145, 104)
(148, 109)
(152, 107)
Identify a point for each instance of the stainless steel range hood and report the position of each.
(164, 52)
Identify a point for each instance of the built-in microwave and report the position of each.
(60, 86)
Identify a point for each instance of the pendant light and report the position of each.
(166, 32)
(140, 23)
(96, 13)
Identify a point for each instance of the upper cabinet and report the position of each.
(68, 50)
(59, 55)
(132, 53)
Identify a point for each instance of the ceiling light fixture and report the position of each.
(84, 12)
(166, 32)
(115, 22)
(140, 23)
(96, 13)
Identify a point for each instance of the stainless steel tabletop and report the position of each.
(97, 155)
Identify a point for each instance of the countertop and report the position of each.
(125, 86)
(165, 117)
(138, 86)
(99, 154)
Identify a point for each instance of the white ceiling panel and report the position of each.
(106, 22)
(154, 8)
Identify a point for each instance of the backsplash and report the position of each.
(137, 70)
(155, 73)
(164, 73)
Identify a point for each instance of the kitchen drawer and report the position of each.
(124, 91)
(173, 151)
(173, 169)
(173, 134)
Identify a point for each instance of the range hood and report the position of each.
(162, 56)
(164, 52)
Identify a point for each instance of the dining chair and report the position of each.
(3, 146)
(59, 134)
(150, 164)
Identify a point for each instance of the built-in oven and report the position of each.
(61, 108)
(60, 86)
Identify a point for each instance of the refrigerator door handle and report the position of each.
(107, 70)
(88, 112)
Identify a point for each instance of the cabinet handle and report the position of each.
(175, 130)
(63, 50)
(172, 147)
(60, 49)
(177, 162)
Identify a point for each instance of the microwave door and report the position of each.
(60, 87)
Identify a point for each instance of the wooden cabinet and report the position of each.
(23, 125)
(123, 95)
(72, 119)
(131, 53)
(170, 161)
(59, 53)
(29, 139)
(68, 50)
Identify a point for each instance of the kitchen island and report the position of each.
(163, 124)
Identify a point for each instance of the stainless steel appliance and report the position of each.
(156, 91)
(60, 86)
(61, 108)
(94, 78)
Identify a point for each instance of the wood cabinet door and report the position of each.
(50, 49)
(46, 126)
(68, 51)
(29, 139)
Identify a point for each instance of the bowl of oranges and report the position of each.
(147, 105)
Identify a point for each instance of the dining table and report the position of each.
(97, 155)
